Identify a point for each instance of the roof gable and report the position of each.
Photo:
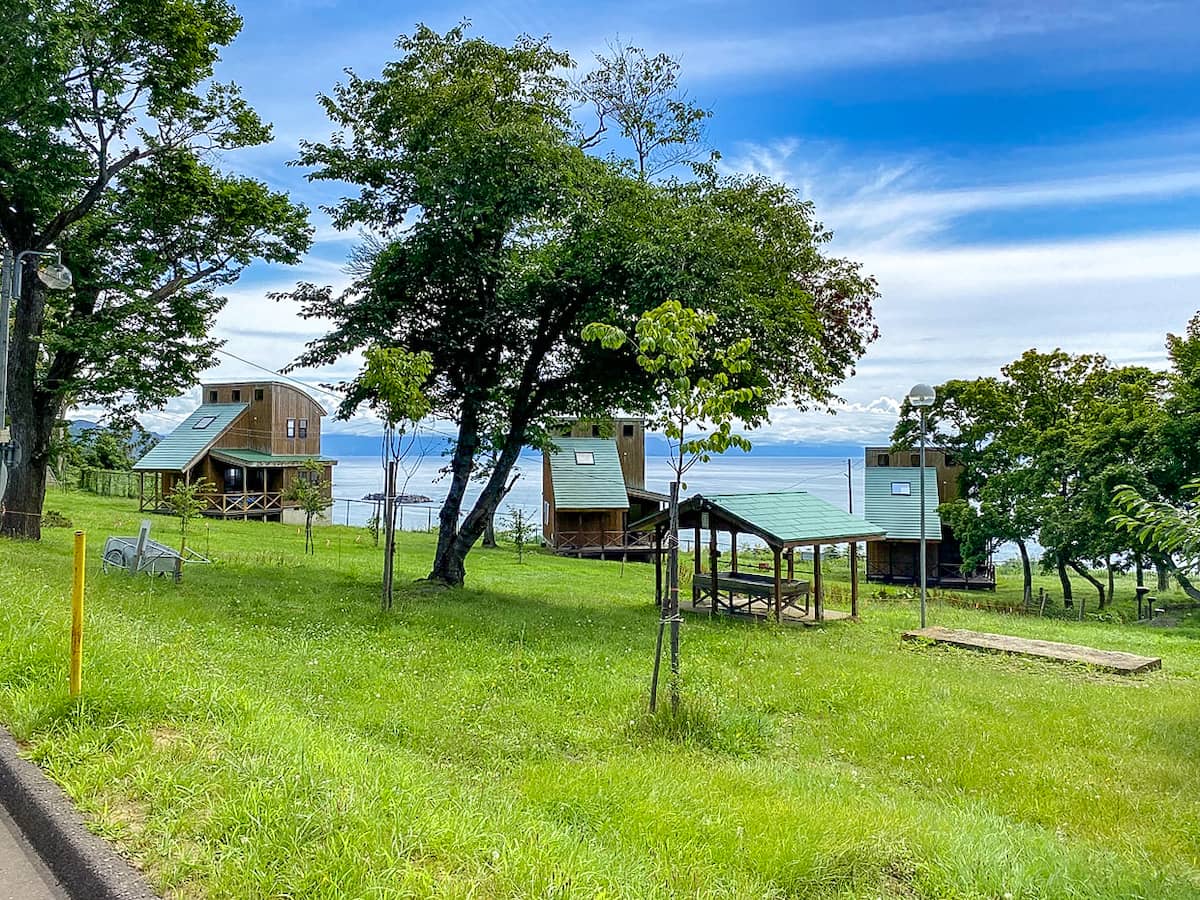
(180, 449)
(900, 514)
(579, 484)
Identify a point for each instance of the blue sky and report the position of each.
(1015, 175)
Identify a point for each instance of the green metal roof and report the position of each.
(258, 458)
(900, 514)
(180, 449)
(598, 485)
(780, 518)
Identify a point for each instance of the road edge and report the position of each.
(85, 865)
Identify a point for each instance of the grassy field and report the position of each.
(262, 730)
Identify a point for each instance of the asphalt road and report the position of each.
(23, 876)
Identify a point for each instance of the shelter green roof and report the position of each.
(256, 458)
(897, 512)
(783, 518)
(180, 449)
(579, 484)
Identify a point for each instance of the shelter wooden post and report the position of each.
(712, 565)
(733, 551)
(818, 598)
(854, 579)
(778, 584)
(697, 565)
(791, 563)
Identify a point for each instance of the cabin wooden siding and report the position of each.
(263, 427)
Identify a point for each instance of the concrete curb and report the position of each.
(86, 866)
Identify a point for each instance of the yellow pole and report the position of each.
(77, 616)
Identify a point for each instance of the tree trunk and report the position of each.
(1139, 570)
(1065, 581)
(1164, 577)
(450, 565)
(1168, 566)
(1084, 573)
(1026, 572)
(489, 531)
(447, 562)
(33, 414)
(1111, 578)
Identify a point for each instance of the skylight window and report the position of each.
(204, 422)
(902, 488)
(585, 458)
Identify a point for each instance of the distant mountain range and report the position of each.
(338, 444)
(335, 444)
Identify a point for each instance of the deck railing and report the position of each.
(247, 503)
(600, 541)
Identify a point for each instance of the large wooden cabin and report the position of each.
(251, 440)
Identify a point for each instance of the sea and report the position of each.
(354, 478)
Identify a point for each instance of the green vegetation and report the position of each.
(502, 237)
(112, 151)
(263, 730)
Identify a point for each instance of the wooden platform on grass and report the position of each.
(791, 615)
(1107, 660)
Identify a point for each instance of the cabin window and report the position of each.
(884, 459)
(585, 458)
(948, 460)
(902, 488)
(309, 476)
(595, 431)
(203, 423)
(627, 429)
(914, 460)
(212, 396)
(291, 428)
(303, 428)
(237, 396)
(233, 480)
(258, 395)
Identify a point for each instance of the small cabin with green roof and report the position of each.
(593, 486)
(251, 440)
(892, 500)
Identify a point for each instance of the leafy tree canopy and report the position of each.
(497, 238)
(110, 150)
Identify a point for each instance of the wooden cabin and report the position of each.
(892, 483)
(251, 440)
(593, 486)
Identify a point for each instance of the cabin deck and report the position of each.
(1115, 661)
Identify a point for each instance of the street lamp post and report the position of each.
(55, 276)
(922, 396)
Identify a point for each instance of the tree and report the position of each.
(642, 96)
(698, 388)
(113, 123)
(502, 239)
(392, 384)
(307, 491)
(1169, 530)
(521, 530)
(188, 501)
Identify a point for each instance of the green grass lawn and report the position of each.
(262, 730)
